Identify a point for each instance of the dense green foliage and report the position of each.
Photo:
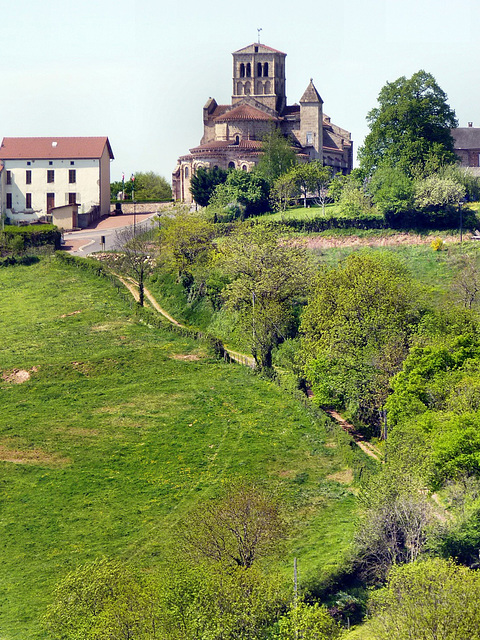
(427, 600)
(278, 157)
(410, 128)
(146, 186)
(243, 194)
(21, 238)
(356, 330)
(203, 183)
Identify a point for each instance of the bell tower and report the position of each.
(259, 71)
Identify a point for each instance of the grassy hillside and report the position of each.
(122, 428)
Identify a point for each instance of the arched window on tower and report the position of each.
(267, 90)
(249, 70)
(186, 172)
(237, 139)
(239, 89)
(247, 88)
(265, 68)
(259, 69)
(244, 167)
(242, 70)
(231, 165)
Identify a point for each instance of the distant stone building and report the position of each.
(233, 133)
(467, 147)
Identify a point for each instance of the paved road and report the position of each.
(86, 241)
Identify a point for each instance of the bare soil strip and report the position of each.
(398, 239)
(368, 448)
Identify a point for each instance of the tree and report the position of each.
(243, 526)
(438, 192)
(427, 600)
(278, 156)
(243, 193)
(309, 622)
(185, 241)
(283, 190)
(392, 191)
(392, 531)
(135, 247)
(355, 332)
(203, 183)
(410, 129)
(151, 186)
(269, 277)
(466, 284)
(103, 599)
(214, 602)
(147, 186)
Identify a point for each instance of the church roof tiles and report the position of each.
(244, 112)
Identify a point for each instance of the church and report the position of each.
(233, 133)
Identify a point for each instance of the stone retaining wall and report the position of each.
(141, 207)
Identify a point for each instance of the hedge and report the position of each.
(34, 235)
(314, 225)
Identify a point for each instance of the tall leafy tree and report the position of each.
(203, 183)
(277, 158)
(269, 275)
(356, 330)
(410, 128)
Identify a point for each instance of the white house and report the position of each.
(40, 174)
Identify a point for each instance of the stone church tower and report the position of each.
(259, 71)
(233, 133)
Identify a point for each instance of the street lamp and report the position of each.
(134, 204)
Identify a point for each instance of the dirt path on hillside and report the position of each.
(132, 286)
(368, 448)
(396, 240)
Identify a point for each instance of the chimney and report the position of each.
(470, 124)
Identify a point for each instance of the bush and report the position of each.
(32, 236)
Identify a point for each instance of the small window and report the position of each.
(9, 177)
(28, 200)
(237, 139)
(186, 172)
(265, 69)
(309, 137)
(9, 200)
(249, 70)
(231, 165)
(72, 198)
(28, 163)
(50, 162)
(256, 49)
(244, 167)
(72, 176)
(242, 70)
(259, 69)
(50, 175)
(28, 177)
(72, 163)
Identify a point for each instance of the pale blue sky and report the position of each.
(140, 71)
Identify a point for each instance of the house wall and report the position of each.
(86, 186)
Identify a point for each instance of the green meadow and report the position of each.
(122, 428)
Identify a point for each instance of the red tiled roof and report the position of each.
(244, 112)
(220, 109)
(64, 148)
(219, 145)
